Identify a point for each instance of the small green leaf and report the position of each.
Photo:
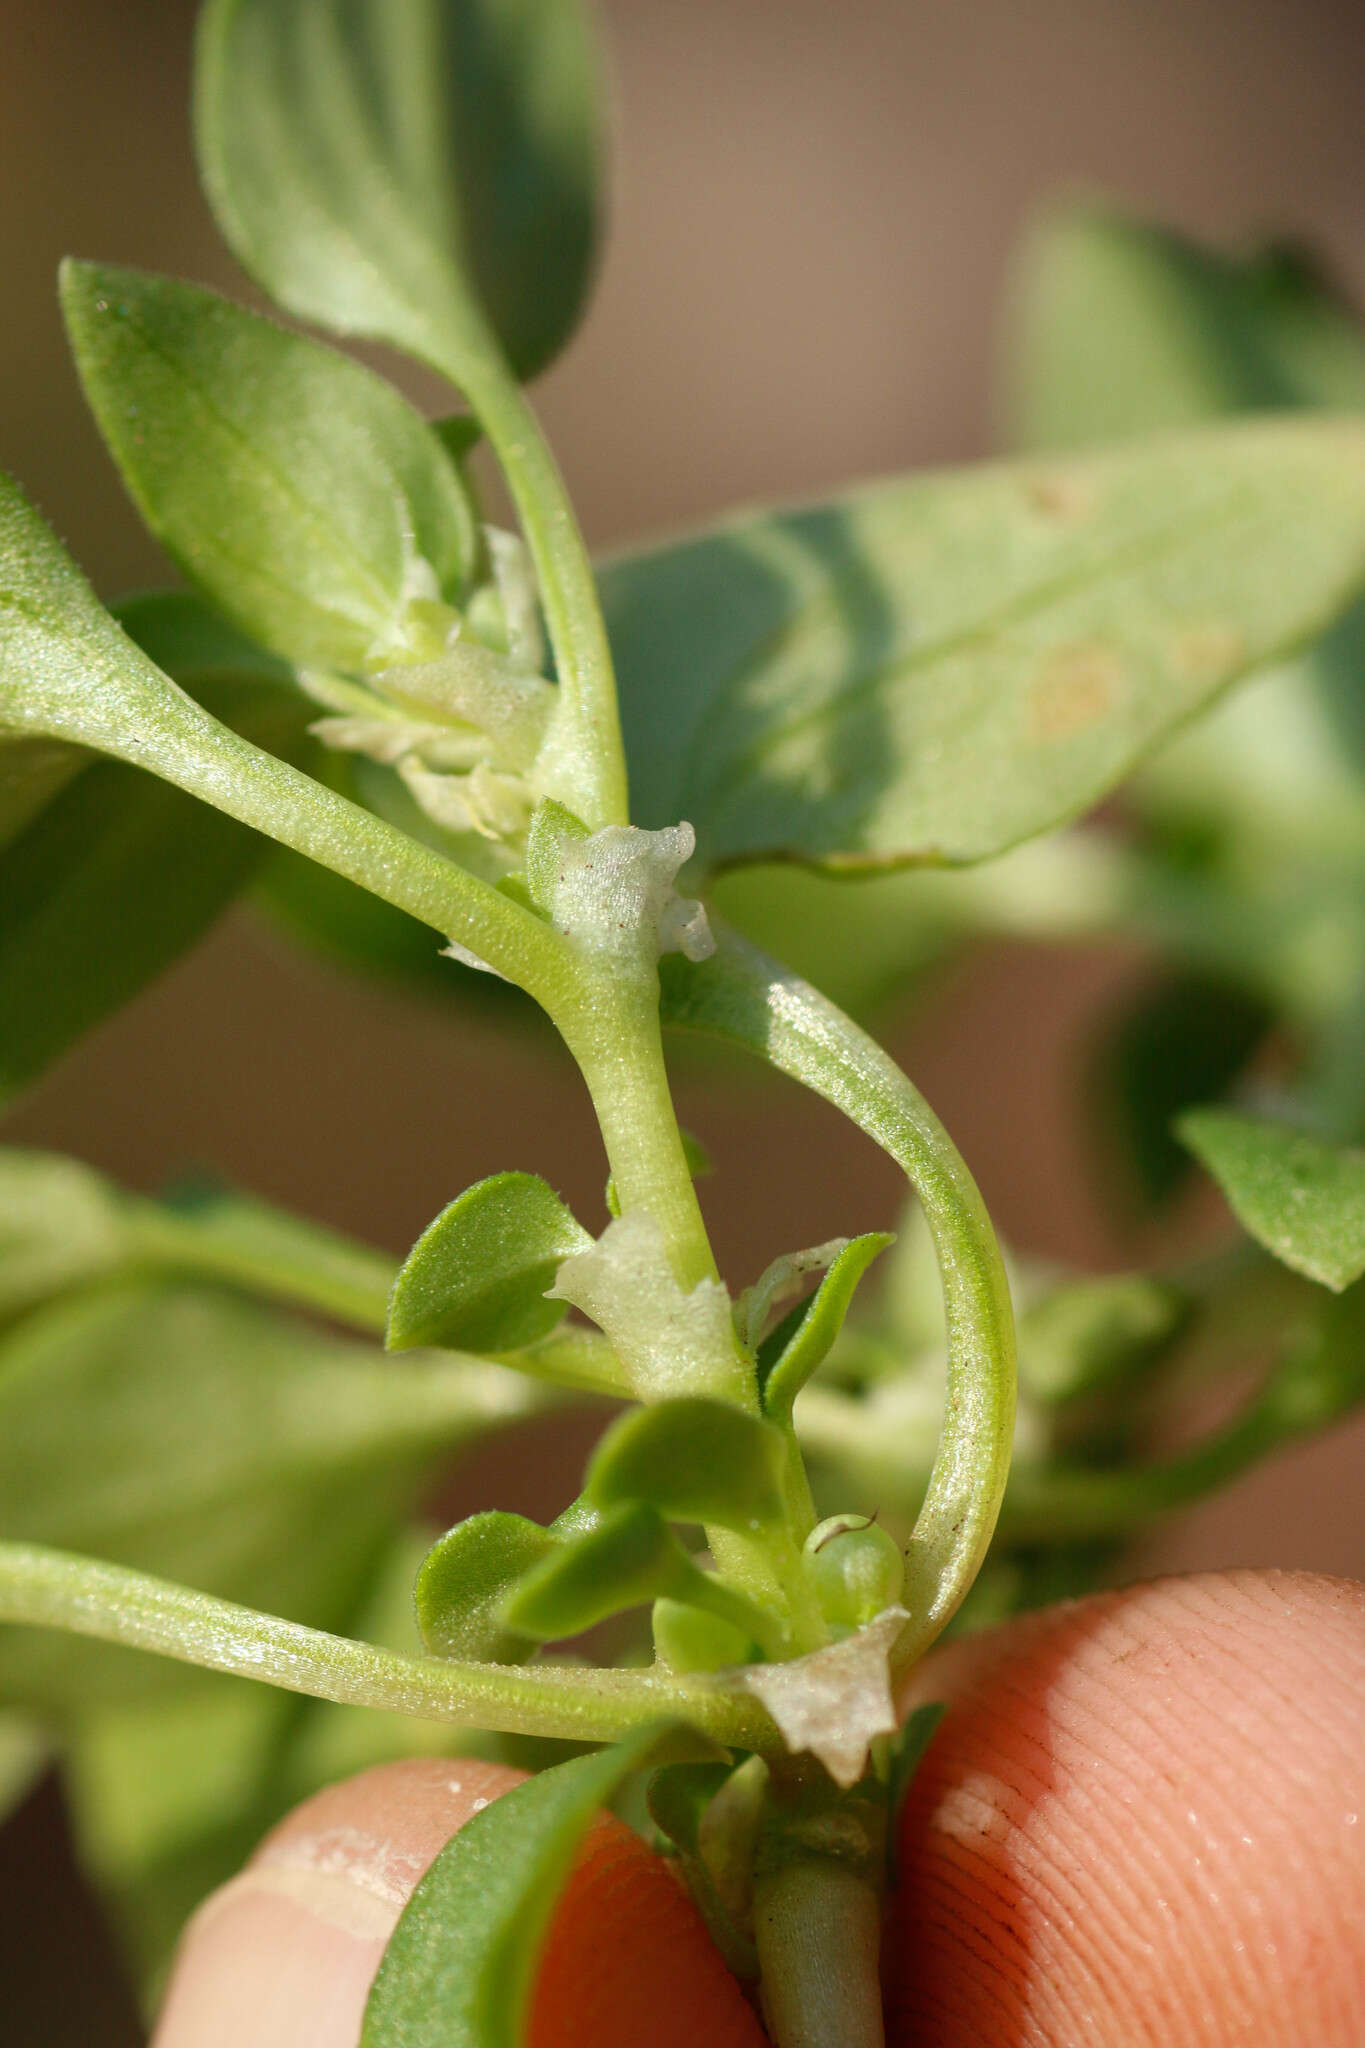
(934, 670)
(1301, 1198)
(412, 170)
(689, 1639)
(629, 1558)
(1097, 1332)
(460, 1967)
(462, 1582)
(294, 486)
(695, 1460)
(803, 1339)
(476, 1278)
(624, 1559)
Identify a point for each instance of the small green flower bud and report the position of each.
(856, 1567)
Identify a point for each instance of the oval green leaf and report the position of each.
(1301, 1198)
(935, 669)
(463, 1579)
(695, 1460)
(803, 1339)
(295, 487)
(476, 1278)
(460, 1968)
(418, 171)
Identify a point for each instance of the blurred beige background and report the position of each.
(815, 209)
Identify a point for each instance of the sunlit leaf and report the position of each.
(476, 1278)
(294, 486)
(695, 1460)
(932, 670)
(1300, 1197)
(407, 169)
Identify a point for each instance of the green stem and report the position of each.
(817, 1928)
(743, 995)
(612, 1029)
(53, 1589)
(588, 772)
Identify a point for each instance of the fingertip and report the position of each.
(1142, 1823)
(283, 1956)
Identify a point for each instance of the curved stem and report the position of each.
(54, 1589)
(742, 995)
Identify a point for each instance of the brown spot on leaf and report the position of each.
(1207, 650)
(1060, 494)
(1075, 688)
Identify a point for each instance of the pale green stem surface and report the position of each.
(55, 1589)
(590, 755)
(743, 995)
(817, 1928)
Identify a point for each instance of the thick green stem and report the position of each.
(54, 1589)
(817, 1928)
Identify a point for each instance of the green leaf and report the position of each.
(192, 1435)
(112, 836)
(23, 1758)
(695, 1460)
(460, 1967)
(630, 1557)
(627, 1558)
(60, 1224)
(933, 670)
(298, 489)
(476, 1278)
(1301, 1198)
(412, 170)
(1121, 327)
(803, 1339)
(463, 1579)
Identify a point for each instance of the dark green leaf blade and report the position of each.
(1300, 1197)
(112, 837)
(407, 169)
(298, 489)
(934, 670)
(476, 1278)
(693, 1459)
(804, 1339)
(460, 1967)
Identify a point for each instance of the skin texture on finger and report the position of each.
(1142, 1822)
(283, 1956)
